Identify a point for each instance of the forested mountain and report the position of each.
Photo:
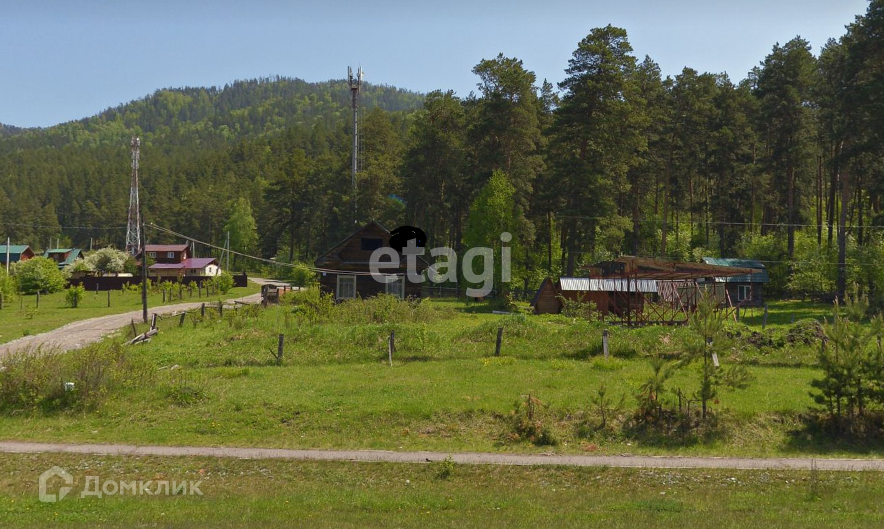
(782, 166)
(202, 148)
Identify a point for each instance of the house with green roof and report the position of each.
(15, 253)
(64, 256)
(746, 290)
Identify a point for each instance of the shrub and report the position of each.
(107, 261)
(73, 295)
(527, 422)
(39, 274)
(224, 282)
(574, 308)
(7, 284)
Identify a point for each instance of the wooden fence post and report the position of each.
(164, 295)
(108, 298)
(153, 323)
(499, 339)
(203, 310)
(605, 342)
(181, 321)
(220, 308)
(134, 329)
(279, 349)
(391, 345)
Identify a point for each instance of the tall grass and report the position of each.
(77, 380)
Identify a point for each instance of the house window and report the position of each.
(744, 292)
(151, 254)
(397, 287)
(170, 255)
(370, 245)
(346, 287)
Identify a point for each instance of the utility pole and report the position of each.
(355, 85)
(227, 249)
(7, 255)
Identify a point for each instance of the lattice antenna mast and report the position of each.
(355, 85)
(133, 229)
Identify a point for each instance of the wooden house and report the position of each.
(167, 253)
(15, 253)
(745, 290)
(345, 271)
(64, 256)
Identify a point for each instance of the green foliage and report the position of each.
(73, 295)
(224, 282)
(852, 361)
(36, 380)
(576, 308)
(106, 261)
(8, 285)
(529, 422)
(39, 274)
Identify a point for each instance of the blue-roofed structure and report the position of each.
(746, 290)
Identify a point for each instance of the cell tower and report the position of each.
(355, 85)
(133, 229)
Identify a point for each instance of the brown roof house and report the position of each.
(174, 261)
(345, 269)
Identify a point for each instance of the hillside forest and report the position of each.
(783, 165)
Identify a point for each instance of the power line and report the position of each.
(261, 259)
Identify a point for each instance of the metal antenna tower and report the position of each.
(355, 85)
(133, 229)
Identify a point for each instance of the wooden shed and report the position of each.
(346, 273)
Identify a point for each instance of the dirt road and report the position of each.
(80, 333)
(622, 461)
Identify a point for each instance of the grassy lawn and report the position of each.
(215, 382)
(238, 493)
(21, 316)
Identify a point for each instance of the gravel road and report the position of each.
(468, 458)
(80, 333)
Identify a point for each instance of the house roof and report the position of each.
(73, 255)
(14, 249)
(648, 268)
(758, 275)
(319, 260)
(586, 284)
(166, 247)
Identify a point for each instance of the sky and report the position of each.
(62, 60)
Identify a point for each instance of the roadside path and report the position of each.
(467, 458)
(83, 332)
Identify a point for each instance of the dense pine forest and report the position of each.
(783, 165)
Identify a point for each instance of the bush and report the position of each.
(39, 274)
(7, 284)
(74, 295)
(107, 261)
(527, 423)
(224, 282)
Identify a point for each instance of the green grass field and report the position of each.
(215, 382)
(21, 316)
(237, 493)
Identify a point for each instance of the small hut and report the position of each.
(745, 290)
